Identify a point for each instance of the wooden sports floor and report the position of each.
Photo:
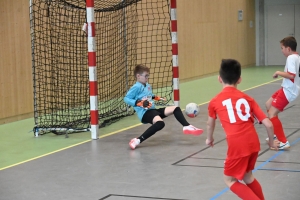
(169, 165)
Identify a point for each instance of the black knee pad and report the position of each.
(159, 125)
(177, 109)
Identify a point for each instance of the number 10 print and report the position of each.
(239, 103)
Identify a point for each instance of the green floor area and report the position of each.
(18, 144)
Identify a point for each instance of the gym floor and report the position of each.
(169, 165)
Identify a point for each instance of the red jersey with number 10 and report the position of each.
(235, 110)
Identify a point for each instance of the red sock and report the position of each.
(256, 188)
(243, 191)
(278, 130)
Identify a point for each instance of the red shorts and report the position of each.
(279, 100)
(237, 168)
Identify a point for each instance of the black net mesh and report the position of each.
(128, 32)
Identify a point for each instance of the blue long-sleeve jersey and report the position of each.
(139, 91)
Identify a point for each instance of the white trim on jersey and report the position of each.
(292, 88)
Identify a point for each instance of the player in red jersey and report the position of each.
(236, 111)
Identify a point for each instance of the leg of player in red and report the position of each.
(241, 168)
(250, 180)
(240, 189)
(254, 185)
(275, 105)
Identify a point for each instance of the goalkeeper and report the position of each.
(140, 96)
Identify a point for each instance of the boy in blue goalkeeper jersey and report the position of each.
(140, 96)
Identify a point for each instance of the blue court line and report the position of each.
(282, 170)
(257, 168)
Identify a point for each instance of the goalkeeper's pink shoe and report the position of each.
(133, 143)
(192, 130)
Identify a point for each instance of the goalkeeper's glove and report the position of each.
(143, 103)
(158, 98)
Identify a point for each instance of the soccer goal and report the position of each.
(128, 32)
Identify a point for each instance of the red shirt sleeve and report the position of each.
(211, 110)
(257, 111)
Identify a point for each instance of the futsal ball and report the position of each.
(192, 110)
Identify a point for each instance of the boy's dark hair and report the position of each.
(140, 68)
(230, 71)
(289, 42)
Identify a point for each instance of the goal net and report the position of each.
(128, 32)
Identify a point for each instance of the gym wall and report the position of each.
(209, 31)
